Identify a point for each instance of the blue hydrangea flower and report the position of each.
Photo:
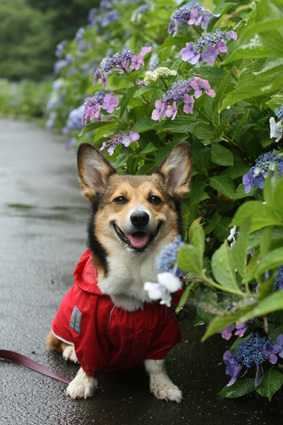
(279, 279)
(279, 112)
(254, 351)
(167, 259)
(75, 120)
(60, 48)
(257, 174)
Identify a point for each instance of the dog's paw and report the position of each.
(82, 386)
(70, 354)
(165, 390)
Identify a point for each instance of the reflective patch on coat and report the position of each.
(76, 319)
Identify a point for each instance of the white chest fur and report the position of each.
(127, 273)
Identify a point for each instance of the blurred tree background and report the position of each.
(30, 31)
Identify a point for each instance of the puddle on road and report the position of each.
(64, 213)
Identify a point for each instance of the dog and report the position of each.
(106, 321)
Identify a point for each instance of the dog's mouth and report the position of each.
(139, 240)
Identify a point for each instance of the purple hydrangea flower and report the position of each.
(233, 368)
(168, 106)
(121, 62)
(258, 172)
(207, 47)
(190, 53)
(167, 261)
(159, 111)
(94, 104)
(188, 104)
(191, 14)
(171, 110)
(121, 139)
(278, 346)
(227, 332)
(199, 84)
(110, 102)
(241, 329)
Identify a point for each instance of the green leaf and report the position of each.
(221, 156)
(268, 24)
(262, 215)
(273, 302)
(271, 382)
(270, 261)
(191, 287)
(146, 89)
(256, 87)
(220, 92)
(149, 148)
(220, 322)
(104, 131)
(223, 184)
(253, 48)
(197, 194)
(223, 268)
(145, 124)
(239, 388)
(265, 241)
(126, 99)
(94, 125)
(175, 41)
(202, 161)
(240, 248)
(189, 259)
(197, 236)
(221, 229)
(266, 287)
(181, 125)
(277, 197)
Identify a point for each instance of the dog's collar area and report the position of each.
(138, 241)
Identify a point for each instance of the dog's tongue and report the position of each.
(138, 241)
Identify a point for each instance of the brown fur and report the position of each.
(55, 343)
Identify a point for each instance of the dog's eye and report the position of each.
(155, 200)
(120, 200)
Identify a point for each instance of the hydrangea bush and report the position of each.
(147, 75)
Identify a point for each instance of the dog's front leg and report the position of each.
(160, 384)
(82, 386)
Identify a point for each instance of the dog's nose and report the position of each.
(139, 218)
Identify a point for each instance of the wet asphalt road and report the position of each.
(42, 236)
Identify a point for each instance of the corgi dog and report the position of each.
(107, 320)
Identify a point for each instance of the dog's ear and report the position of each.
(94, 171)
(175, 170)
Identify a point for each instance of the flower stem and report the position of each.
(222, 288)
(163, 81)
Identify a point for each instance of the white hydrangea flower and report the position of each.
(167, 284)
(276, 130)
(159, 72)
(231, 237)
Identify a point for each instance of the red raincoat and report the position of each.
(107, 338)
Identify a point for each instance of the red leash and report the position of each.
(31, 364)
